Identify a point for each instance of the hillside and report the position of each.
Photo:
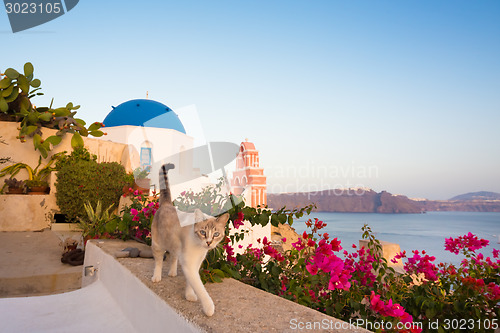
(482, 195)
(469, 202)
(369, 201)
(349, 200)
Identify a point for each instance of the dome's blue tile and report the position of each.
(144, 112)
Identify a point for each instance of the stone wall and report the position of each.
(35, 212)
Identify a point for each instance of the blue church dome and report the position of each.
(144, 112)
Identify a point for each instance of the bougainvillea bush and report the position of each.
(363, 289)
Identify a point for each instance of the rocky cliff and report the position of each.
(460, 206)
(369, 201)
(347, 201)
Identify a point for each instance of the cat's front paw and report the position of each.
(208, 307)
(156, 278)
(191, 296)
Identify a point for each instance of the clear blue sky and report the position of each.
(402, 96)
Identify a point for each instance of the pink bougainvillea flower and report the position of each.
(468, 242)
(298, 245)
(312, 269)
(493, 291)
(335, 243)
(237, 224)
(319, 224)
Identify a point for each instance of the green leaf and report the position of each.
(31, 118)
(45, 116)
(97, 134)
(60, 112)
(43, 151)
(5, 82)
(46, 145)
(12, 96)
(83, 131)
(80, 121)
(219, 273)
(8, 91)
(4, 107)
(77, 140)
(54, 140)
(11, 73)
(274, 221)
(28, 69)
(35, 83)
(94, 127)
(23, 83)
(37, 139)
(31, 129)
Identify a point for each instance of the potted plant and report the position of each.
(15, 186)
(38, 187)
(37, 176)
(142, 182)
(129, 183)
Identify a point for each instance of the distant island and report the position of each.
(369, 201)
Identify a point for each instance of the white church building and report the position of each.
(156, 135)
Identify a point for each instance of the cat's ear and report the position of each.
(198, 216)
(223, 218)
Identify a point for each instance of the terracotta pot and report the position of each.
(38, 190)
(15, 190)
(142, 185)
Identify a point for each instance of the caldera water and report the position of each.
(412, 231)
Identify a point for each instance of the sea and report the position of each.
(412, 231)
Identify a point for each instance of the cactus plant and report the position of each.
(16, 92)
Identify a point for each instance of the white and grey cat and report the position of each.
(185, 242)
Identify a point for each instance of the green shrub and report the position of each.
(78, 154)
(80, 179)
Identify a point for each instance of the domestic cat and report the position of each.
(187, 237)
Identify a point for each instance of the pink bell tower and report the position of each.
(249, 176)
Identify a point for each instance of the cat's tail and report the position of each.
(165, 195)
